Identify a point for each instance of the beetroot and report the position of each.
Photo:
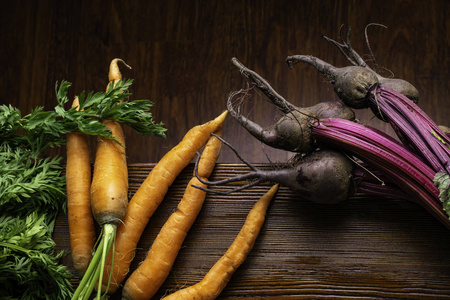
(292, 131)
(336, 156)
(352, 83)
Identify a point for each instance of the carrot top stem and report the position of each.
(79, 292)
(96, 267)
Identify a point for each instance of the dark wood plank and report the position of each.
(364, 247)
(180, 56)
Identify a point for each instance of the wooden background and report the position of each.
(180, 52)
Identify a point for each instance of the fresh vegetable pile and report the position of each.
(335, 157)
(123, 222)
(415, 166)
(32, 185)
(33, 182)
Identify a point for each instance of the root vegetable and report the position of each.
(220, 274)
(352, 83)
(150, 194)
(109, 189)
(393, 101)
(292, 131)
(403, 173)
(145, 281)
(78, 183)
(406, 167)
(323, 176)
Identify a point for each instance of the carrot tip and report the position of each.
(114, 71)
(222, 116)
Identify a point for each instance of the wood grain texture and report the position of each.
(180, 55)
(363, 248)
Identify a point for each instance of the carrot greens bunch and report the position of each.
(108, 105)
(29, 266)
(29, 269)
(32, 185)
(41, 129)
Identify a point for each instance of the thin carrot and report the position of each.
(78, 183)
(150, 194)
(209, 155)
(146, 280)
(109, 195)
(219, 275)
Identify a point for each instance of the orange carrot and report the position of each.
(145, 281)
(109, 187)
(114, 74)
(150, 194)
(78, 183)
(209, 156)
(218, 276)
(109, 194)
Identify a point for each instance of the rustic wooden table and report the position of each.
(180, 55)
(362, 248)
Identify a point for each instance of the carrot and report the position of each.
(218, 276)
(110, 179)
(145, 281)
(209, 155)
(150, 194)
(114, 74)
(109, 189)
(109, 194)
(78, 183)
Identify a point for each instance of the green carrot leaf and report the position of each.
(29, 266)
(442, 182)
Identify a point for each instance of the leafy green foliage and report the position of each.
(109, 105)
(29, 269)
(10, 123)
(41, 129)
(30, 184)
(442, 182)
(32, 188)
